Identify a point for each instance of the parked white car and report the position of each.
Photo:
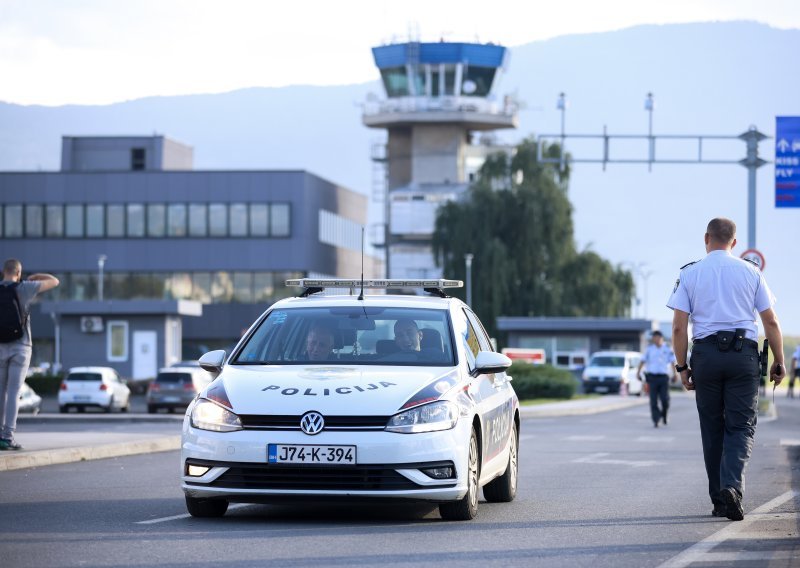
(608, 371)
(99, 387)
(407, 400)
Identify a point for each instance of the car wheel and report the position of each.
(504, 488)
(151, 409)
(81, 409)
(466, 508)
(63, 409)
(110, 406)
(206, 507)
(126, 408)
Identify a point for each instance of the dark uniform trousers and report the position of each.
(658, 383)
(726, 387)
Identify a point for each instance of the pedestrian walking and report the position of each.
(794, 372)
(720, 295)
(658, 360)
(16, 296)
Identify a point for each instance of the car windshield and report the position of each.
(358, 335)
(174, 378)
(84, 377)
(607, 361)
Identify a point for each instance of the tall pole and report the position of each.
(649, 104)
(468, 261)
(752, 162)
(562, 106)
(101, 261)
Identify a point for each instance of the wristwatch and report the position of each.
(681, 368)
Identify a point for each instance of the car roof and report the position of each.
(377, 300)
(92, 370)
(184, 369)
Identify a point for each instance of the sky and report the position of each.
(57, 52)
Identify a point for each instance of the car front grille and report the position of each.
(291, 422)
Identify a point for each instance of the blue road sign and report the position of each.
(787, 161)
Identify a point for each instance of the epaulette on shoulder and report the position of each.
(751, 261)
(688, 264)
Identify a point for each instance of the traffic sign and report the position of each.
(787, 161)
(756, 257)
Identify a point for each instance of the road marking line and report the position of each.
(600, 459)
(699, 552)
(585, 438)
(790, 442)
(185, 515)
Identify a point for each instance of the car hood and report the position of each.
(339, 390)
(604, 371)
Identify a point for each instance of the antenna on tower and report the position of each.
(361, 295)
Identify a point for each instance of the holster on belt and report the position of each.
(728, 339)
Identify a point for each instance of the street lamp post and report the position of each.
(468, 261)
(101, 262)
(562, 106)
(649, 105)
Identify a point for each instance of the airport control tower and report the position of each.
(437, 96)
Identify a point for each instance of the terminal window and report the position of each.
(137, 158)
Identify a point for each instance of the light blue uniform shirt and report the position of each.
(721, 292)
(658, 360)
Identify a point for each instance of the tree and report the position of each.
(517, 221)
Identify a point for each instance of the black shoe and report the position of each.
(719, 511)
(655, 424)
(664, 418)
(733, 504)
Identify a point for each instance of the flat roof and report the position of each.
(123, 307)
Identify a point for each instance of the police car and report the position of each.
(344, 397)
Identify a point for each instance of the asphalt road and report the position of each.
(598, 490)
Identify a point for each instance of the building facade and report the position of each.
(127, 218)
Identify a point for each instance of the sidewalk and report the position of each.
(52, 438)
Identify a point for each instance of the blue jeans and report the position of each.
(14, 360)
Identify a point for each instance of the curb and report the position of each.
(40, 458)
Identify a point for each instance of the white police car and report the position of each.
(344, 397)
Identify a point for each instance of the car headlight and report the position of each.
(441, 415)
(207, 415)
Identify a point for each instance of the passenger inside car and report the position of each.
(407, 335)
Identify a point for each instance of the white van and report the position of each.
(607, 371)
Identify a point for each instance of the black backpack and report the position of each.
(12, 318)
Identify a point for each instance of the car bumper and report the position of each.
(388, 466)
(170, 400)
(608, 385)
(76, 399)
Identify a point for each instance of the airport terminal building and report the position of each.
(127, 219)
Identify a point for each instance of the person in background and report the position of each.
(658, 360)
(794, 372)
(15, 355)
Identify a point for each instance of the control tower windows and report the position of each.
(395, 80)
(481, 78)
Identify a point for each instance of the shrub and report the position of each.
(44, 384)
(541, 381)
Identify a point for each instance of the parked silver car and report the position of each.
(175, 387)
(29, 401)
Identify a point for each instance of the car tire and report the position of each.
(503, 489)
(151, 409)
(110, 406)
(81, 409)
(63, 409)
(466, 508)
(206, 507)
(126, 408)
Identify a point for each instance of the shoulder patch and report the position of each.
(751, 261)
(689, 264)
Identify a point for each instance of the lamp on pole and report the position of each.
(649, 105)
(562, 106)
(468, 261)
(101, 262)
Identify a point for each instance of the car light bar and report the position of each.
(389, 283)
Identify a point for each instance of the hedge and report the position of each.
(541, 381)
(44, 384)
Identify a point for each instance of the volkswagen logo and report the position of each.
(312, 423)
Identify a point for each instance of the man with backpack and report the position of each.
(16, 297)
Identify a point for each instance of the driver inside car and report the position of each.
(319, 343)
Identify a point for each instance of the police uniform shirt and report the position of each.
(721, 292)
(657, 360)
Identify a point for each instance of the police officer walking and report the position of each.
(720, 295)
(657, 359)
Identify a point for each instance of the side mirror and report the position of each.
(489, 362)
(213, 361)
